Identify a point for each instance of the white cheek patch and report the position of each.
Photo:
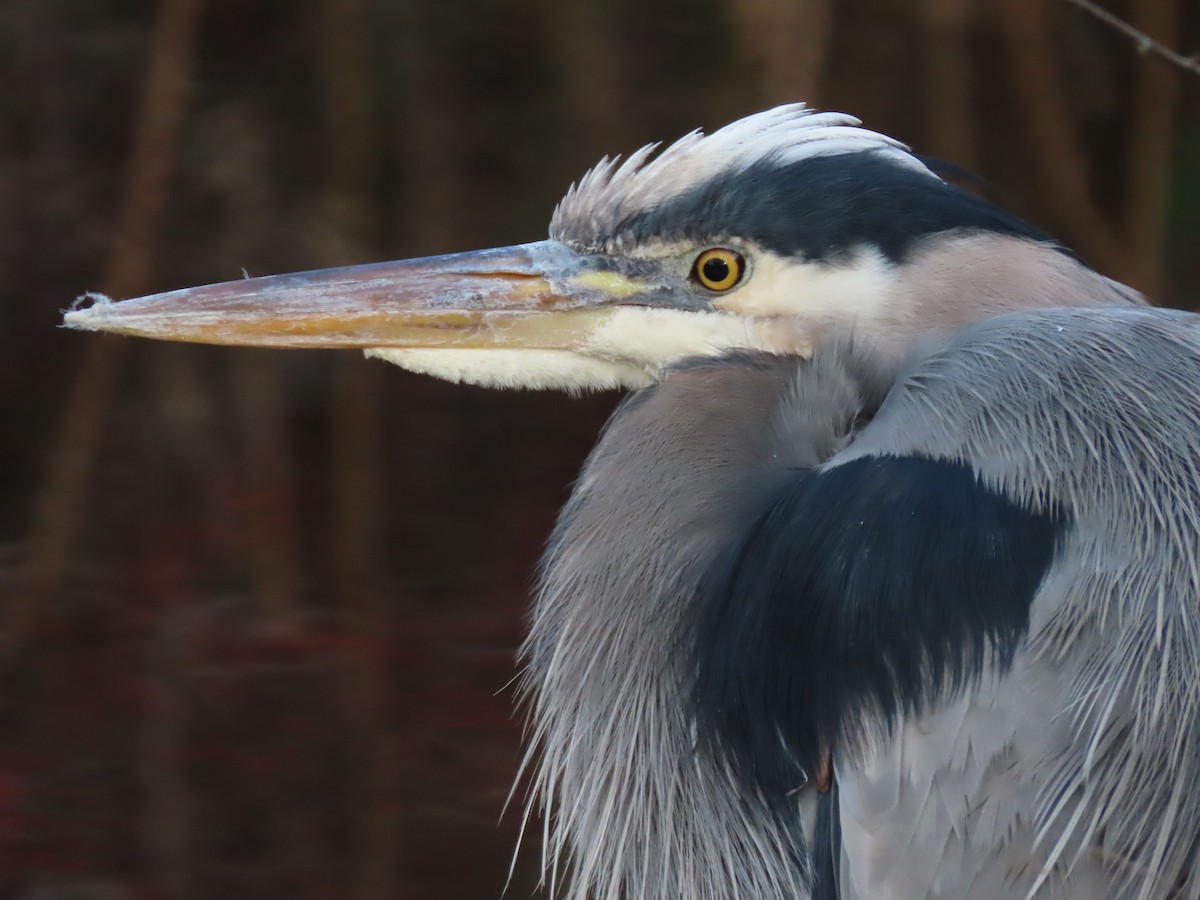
(860, 289)
(663, 336)
(560, 370)
(657, 338)
(629, 349)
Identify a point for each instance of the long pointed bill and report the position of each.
(486, 299)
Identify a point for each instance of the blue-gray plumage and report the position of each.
(884, 582)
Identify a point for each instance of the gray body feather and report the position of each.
(1094, 736)
(1073, 774)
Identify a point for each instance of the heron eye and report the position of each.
(719, 269)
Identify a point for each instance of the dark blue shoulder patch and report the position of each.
(864, 592)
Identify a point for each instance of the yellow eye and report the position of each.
(719, 269)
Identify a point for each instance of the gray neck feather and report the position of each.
(632, 809)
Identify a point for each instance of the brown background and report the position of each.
(258, 610)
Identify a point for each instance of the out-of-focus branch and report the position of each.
(358, 468)
(230, 161)
(783, 45)
(1061, 164)
(348, 107)
(946, 81)
(372, 742)
(57, 506)
(1151, 141)
(431, 216)
(169, 802)
(1145, 43)
(272, 544)
(594, 87)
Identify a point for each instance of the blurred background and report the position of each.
(259, 610)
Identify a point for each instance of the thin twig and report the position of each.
(1145, 43)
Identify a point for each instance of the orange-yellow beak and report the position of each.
(491, 299)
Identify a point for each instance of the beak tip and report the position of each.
(86, 313)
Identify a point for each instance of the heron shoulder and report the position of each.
(1092, 414)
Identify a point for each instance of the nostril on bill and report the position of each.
(88, 300)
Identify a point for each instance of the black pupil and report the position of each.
(716, 269)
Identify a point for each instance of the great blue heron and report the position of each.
(884, 582)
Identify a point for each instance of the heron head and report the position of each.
(765, 235)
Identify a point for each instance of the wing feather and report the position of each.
(1046, 463)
